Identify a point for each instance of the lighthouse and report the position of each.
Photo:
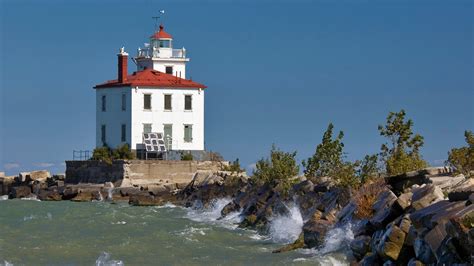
(157, 97)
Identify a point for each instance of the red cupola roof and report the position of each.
(161, 34)
(151, 78)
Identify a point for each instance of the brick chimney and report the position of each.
(122, 65)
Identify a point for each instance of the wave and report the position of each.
(4, 197)
(212, 214)
(286, 228)
(104, 260)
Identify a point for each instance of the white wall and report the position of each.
(178, 117)
(113, 117)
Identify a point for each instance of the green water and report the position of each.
(68, 233)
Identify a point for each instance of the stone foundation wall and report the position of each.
(127, 173)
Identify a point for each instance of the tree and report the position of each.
(462, 159)
(368, 168)
(401, 154)
(327, 157)
(328, 160)
(279, 169)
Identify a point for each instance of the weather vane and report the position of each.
(162, 12)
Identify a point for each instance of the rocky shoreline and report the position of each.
(417, 218)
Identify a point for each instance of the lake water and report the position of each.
(101, 233)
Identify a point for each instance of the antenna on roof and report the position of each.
(162, 12)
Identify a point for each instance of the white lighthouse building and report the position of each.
(155, 98)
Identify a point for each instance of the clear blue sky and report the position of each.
(277, 71)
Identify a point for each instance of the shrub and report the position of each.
(402, 153)
(462, 159)
(234, 167)
(366, 196)
(102, 154)
(123, 152)
(279, 169)
(368, 168)
(107, 155)
(186, 156)
(328, 160)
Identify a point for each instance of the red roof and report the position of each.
(162, 34)
(152, 78)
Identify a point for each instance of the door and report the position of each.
(168, 132)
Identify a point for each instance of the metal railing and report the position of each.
(81, 155)
(148, 52)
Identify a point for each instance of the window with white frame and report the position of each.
(188, 133)
(188, 102)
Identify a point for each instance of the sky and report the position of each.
(278, 72)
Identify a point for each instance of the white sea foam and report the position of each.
(104, 260)
(6, 263)
(286, 228)
(4, 197)
(337, 239)
(31, 197)
(212, 214)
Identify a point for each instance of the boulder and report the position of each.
(299, 243)
(363, 227)
(371, 259)
(415, 262)
(425, 196)
(49, 195)
(360, 246)
(303, 187)
(145, 200)
(435, 237)
(20, 192)
(447, 183)
(438, 213)
(157, 189)
(6, 184)
(83, 197)
(391, 243)
(423, 251)
(406, 226)
(462, 191)
(314, 232)
(40, 176)
(404, 200)
(384, 209)
(460, 229)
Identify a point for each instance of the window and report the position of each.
(169, 70)
(146, 128)
(188, 102)
(124, 102)
(168, 102)
(147, 101)
(165, 43)
(102, 134)
(168, 132)
(188, 133)
(124, 133)
(103, 103)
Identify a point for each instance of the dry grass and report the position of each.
(366, 196)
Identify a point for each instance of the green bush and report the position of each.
(234, 167)
(368, 168)
(186, 156)
(107, 155)
(401, 154)
(328, 160)
(279, 169)
(462, 159)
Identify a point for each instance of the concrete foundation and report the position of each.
(127, 173)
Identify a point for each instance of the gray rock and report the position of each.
(447, 183)
(425, 196)
(391, 243)
(315, 231)
(438, 213)
(384, 209)
(20, 192)
(360, 246)
(423, 251)
(404, 200)
(371, 259)
(462, 191)
(415, 262)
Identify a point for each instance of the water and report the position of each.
(100, 233)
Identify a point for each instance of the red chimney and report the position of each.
(122, 66)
